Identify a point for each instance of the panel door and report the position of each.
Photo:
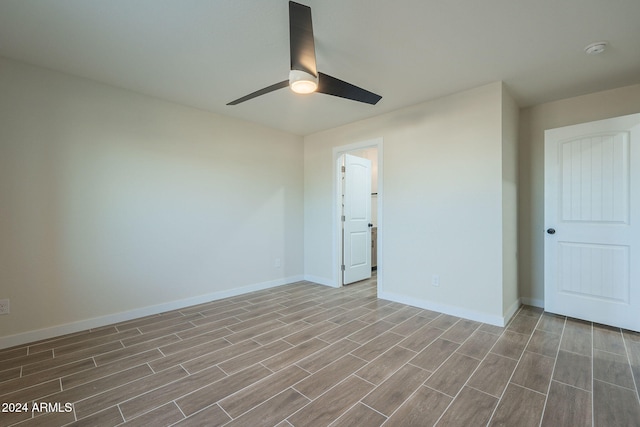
(357, 219)
(592, 216)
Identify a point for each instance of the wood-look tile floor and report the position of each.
(309, 355)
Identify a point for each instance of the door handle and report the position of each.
(551, 231)
(370, 225)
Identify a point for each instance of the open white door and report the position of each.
(592, 221)
(357, 219)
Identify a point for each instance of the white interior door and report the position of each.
(357, 219)
(592, 220)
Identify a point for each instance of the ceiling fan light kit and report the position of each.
(304, 77)
(302, 82)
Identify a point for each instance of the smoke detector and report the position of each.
(595, 48)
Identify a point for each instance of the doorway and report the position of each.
(371, 150)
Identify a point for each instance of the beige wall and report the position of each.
(114, 204)
(442, 214)
(533, 122)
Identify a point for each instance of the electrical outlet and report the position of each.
(276, 264)
(435, 280)
(4, 306)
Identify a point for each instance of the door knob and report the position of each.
(370, 225)
(551, 231)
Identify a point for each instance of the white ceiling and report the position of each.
(205, 53)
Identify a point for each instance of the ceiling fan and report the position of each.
(304, 76)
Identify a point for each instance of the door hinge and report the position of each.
(343, 218)
(342, 267)
(344, 169)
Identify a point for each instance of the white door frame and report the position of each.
(337, 212)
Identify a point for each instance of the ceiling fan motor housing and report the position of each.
(302, 82)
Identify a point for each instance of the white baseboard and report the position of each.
(532, 302)
(444, 308)
(320, 280)
(96, 322)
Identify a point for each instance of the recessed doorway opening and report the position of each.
(358, 235)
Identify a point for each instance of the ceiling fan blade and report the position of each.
(303, 51)
(257, 93)
(336, 87)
